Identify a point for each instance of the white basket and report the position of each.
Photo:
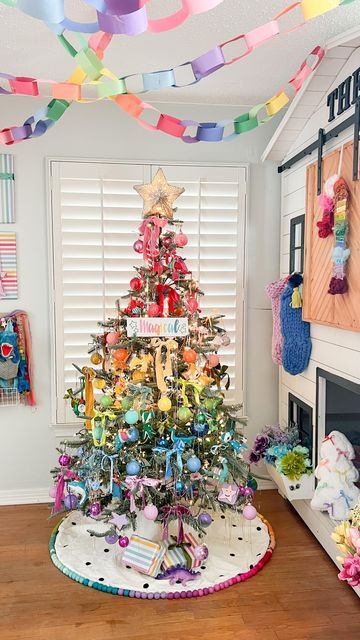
(302, 489)
(9, 397)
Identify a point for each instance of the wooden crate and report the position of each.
(319, 306)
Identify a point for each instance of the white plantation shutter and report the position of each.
(95, 215)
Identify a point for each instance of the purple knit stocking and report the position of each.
(274, 291)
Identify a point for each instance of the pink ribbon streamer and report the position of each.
(135, 485)
(179, 511)
(65, 473)
(150, 228)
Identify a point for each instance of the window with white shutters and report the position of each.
(95, 215)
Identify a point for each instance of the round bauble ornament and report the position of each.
(123, 435)
(112, 338)
(53, 491)
(123, 541)
(96, 358)
(131, 417)
(138, 376)
(150, 512)
(132, 468)
(133, 434)
(181, 239)
(112, 538)
(199, 430)
(136, 284)
(99, 383)
(163, 443)
(70, 501)
(64, 460)
(121, 355)
(126, 403)
(167, 241)
(225, 340)
(205, 519)
(252, 483)
(200, 418)
(179, 486)
(164, 404)
(193, 464)
(249, 512)
(189, 356)
(178, 312)
(213, 360)
(106, 401)
(211, 404)
(138, 246)
(192, 304)
(248, 492)
(95, 509)
(201, 552)
(153, 310)
(184, 414)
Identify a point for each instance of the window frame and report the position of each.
(293, 247)
(62, 429)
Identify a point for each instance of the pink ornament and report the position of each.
(153, 310)
(124, 436)
(64, 460)
(150, 512)
(249, 512)
(181, 239)
(95, 509)
(112, 338)
(192, 304)
(167, 241)
(123, 541)
(201, 552)
(213, 360)
(136, 284)
(248, 491)
(138, 246)
(52, 492)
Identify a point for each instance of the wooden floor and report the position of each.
(297, 596)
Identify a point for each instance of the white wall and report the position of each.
(101, 131)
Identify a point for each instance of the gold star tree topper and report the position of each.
(158, 196)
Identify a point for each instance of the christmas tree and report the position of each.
(158, 438)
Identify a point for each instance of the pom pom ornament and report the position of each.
(150, 512)
(164, 404)
(133, 468)
(96, 358)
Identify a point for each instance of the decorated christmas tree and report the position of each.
(159, 440)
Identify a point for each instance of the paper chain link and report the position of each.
(125, 17)
(90, 65)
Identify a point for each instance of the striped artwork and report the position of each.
(7, 183)
(8, 270)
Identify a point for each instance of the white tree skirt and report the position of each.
(238, 548)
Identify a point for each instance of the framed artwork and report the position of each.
(8, 266)
(7, 184)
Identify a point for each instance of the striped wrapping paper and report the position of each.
(7, 184)
(8, 270)
(144, 555)
(184, 556)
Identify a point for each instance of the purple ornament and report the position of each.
(248, 491)
(95, 509)
(205, 519)
(242, 490)
(249, 512)
(112, 538)
(64, 460)
(123, 541)
(201, 552)
(71, 501)
(138, 246)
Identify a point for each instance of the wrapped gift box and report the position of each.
(144, 555)
(183, 554)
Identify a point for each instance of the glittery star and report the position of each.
(158, 195)
(119, 520)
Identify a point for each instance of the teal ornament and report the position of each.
(133, 434)
(163, 443)
(193, 464)
(78, 489)
(97, 432)
(131, 416)
(252, 483)
(132, 468)
(199, 429)
(179, 486)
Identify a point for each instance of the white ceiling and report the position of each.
(28, 48)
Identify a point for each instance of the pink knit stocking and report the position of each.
(274, 291)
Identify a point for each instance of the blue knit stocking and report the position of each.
(296, 332)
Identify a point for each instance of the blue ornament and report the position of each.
(193, 464)
(199, 430)
(133, 434)
(163, 443)
(132, 468)
(179, 486)
(131, 416)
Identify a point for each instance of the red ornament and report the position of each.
(179, 311)
(167, 241)
(192, 304)
(189, 356)
(136, 284)
(153, 310)
(213, 360)
(112, 338)
(138, 246)
(181, 239)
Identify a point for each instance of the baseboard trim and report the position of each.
(264, 485)
(24, 496)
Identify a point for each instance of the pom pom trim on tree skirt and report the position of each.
(238, 549)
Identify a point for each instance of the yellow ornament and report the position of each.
(117, 404)
(138, 376)
(164, 404)
(96, 358)
(99, 383)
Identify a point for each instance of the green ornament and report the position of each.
(106, 401)
(210, 404)
(213, 425)
(201, 418)
(126, 403)
(252, 483)
(184, 414)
